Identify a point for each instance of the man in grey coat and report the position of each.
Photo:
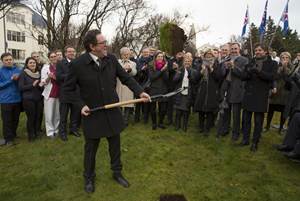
(235, 87)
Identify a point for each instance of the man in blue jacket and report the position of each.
(10, 98)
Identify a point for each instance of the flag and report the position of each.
(285, 19)
(262, 27)
(246, 22)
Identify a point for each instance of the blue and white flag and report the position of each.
(285, 19)
(262, 27)
(246, 22)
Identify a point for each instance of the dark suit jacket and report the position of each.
(62, 70)
(97, 87)
(258, 85)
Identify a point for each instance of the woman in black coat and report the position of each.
(31, 97)
(158, 74)
(184, 78)
(260, 74)
(207, 97)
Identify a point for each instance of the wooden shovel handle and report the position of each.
(124, 103)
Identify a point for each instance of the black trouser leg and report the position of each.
(126, 115)
(293, 133)
(162, 109)
(227, 120)
(10, 118)
(40, 122)
(178, 119)
(146, 111)
(38, 117)
(153, 114)
(137, 112)
(282, 120)
(30, 109)
(201, 121)
(64, 111)
(170, 108)
(258, 124)
(90, 151)
(185, 120)
(209, 121)
(75, 118)
(115, 153)
(270, 116)
(247, 116)
(236, 112)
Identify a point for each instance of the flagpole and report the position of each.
(274, 34)
(250, 34)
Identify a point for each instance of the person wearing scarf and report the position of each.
(207, 97)
(123, 91)
(183, 78)
(279, 94)
(260, 74)
(31, 97)
(158, 74)
(51, 96)
(10, 99)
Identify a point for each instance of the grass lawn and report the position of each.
(155, 162)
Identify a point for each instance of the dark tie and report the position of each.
(100, 63)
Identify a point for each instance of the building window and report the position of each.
(15, 36)
(17, 54)
(41, 40)
(15, 18)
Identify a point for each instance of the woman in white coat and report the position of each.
(50, 94)
(123, 91)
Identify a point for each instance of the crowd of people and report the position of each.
(225, 88)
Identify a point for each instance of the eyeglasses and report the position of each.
(102, 42)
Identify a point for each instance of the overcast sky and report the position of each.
(225, 17)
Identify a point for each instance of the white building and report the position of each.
(22, 31)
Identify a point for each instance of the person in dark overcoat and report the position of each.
(159, 77)
(142, 77)
(32, 99)
(259, 74)
(95, 73)
(279, 94)
(184, 78)
(207, 98)
(65, 107)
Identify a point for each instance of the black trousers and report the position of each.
(143, 108)
(293, 132)
(162, 110)
(34, 114)
(181, 114)
(90, 151)
(236, 117)
(272, 109)
(224, 122)
(258, 123)
(206, 121)
(64, 109)
(10, 113)
(170, 109)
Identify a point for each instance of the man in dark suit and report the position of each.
(96, 72)
(65, 106)
(259, 75)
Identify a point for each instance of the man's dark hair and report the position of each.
(264, 47)
(90, 38)
(6, 54)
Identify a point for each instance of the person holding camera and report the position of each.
(259, 74)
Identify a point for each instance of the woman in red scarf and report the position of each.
(159, 76)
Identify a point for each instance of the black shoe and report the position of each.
(64, 137)
(283, 148)
(75, 133)
(154, 126)
(253, 147)
(293, 156)
(121, 180)
(201, 130)
(235, 138)
(161, 126)
(244, 143)
(89, 186)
